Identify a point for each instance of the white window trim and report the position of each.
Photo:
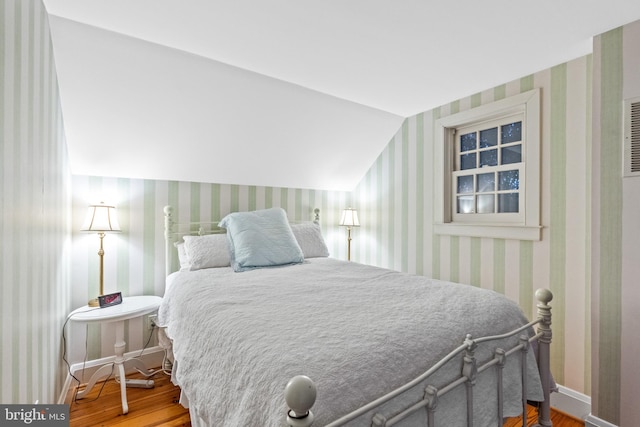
(527, 102)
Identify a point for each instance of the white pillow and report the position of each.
(182, 256)
(261, 239)
(309, 237)
(208, 251)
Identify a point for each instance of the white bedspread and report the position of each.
(357, 331)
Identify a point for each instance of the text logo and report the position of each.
(34, 415)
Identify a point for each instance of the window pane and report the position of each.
(486, 203)
(465, 184)
(489, 158)
(486, 182)
(511, 132)
(468, 161)
(512, 154)
(508, 202)
(465, 204)
(468, 142)
(488, 137)
(509, 180)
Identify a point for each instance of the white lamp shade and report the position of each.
(101, 218)
(350, 218)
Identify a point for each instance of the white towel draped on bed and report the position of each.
(357, 331)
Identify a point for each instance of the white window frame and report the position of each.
(528, 227)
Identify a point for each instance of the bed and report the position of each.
(266, 329)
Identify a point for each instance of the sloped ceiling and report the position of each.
(288, 93)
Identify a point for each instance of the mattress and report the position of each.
(358, 331)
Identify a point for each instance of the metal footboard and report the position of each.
(300, 392)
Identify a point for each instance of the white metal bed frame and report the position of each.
(300, 391)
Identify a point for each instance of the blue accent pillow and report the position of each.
(260, 239)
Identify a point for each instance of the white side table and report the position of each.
(130, 308)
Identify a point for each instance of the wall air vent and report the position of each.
(632, 137)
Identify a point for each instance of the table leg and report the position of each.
(108, 369)
(119, 367)
(119, 347)
(139, 366)
(105, 370)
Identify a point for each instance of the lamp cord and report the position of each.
(84, 362)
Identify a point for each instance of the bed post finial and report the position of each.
(300, 395)
(316, 216)
(544, 296)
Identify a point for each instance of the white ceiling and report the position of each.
(288, 93)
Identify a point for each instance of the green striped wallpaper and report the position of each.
(607, 225)
(134, 259)
(35, 209)
(395, 195)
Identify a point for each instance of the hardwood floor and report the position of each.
(147, 407)
(558, 419)
(159, 407)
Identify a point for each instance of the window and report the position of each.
(489, 184)
(486, 174)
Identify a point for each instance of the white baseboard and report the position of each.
(577, 405)
(593, 421)
(571, 402)
(65, 388)
(152, 357)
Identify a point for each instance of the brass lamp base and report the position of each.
(94, 302)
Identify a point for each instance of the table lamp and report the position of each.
(100, 219)
(349, 219)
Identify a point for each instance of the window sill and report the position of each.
(516, 232)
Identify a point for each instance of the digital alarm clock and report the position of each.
(110, 299)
